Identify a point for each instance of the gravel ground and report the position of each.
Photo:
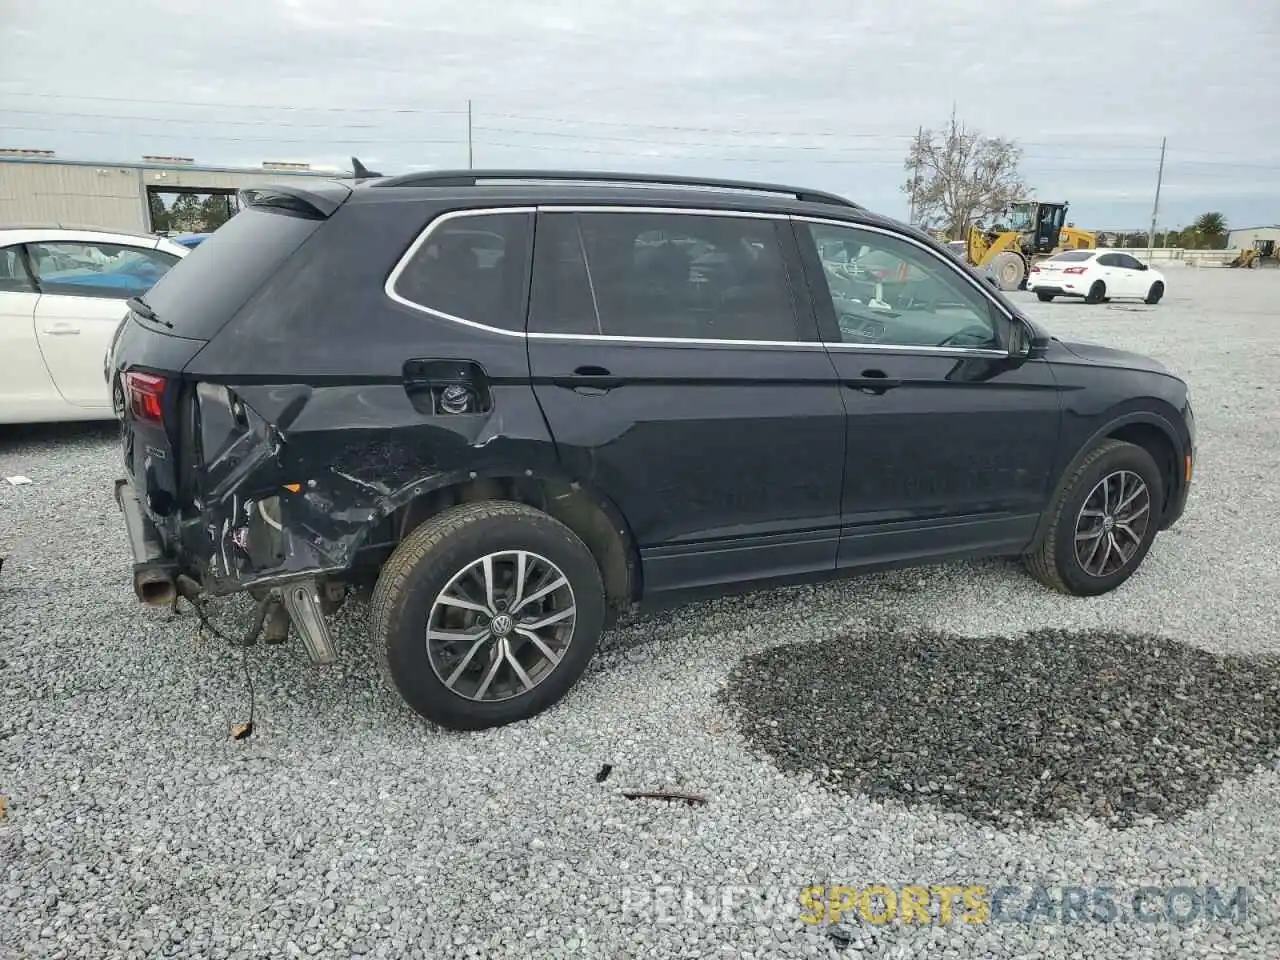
(135, 827)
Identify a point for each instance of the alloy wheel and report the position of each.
(1112, 523)
(501, 626)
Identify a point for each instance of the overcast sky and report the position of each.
(821, 93)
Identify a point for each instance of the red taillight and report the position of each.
(145, 391)
(1035, 269)
(1074, 270)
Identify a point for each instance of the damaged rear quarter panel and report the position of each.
(324, 373)
(298, 483)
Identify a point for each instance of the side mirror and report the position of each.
(1019, 340)
(1144, 266)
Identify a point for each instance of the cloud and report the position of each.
(825, 93)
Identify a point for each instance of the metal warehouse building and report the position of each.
(160, 194)
(1243, 238)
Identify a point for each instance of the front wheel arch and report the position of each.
(1144, 429)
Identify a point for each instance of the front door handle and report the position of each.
(874, 382)
(62, 330)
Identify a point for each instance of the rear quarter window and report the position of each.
(471, 267)
(208, 286)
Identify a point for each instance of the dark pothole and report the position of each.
(1013, 729)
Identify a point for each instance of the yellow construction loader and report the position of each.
(1259, 254)
(1033, 230)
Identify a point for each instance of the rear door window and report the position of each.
(665, 275)
(472, 267)
(202, 292)
(94, 269)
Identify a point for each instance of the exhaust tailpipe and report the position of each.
(153, 568)
(155, 587)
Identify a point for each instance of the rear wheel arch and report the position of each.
(1148, 430)
(585, 511)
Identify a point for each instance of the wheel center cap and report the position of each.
(1108, 523)
(502, 624)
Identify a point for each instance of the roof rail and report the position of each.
(471, 178)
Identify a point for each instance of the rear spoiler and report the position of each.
(317, 201)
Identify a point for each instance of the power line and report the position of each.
(1113, 150)
(219, 121)
(1052, 162)
(236, 139)
(233, 106)
(1047, 163)
(532, 118)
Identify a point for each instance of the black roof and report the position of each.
(503, 187)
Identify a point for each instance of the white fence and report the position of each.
(1171, 256)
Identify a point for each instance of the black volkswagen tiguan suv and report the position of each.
(513, 404)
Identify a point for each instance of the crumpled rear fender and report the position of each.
(294, 478)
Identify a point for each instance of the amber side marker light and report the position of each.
(1188, 468)
(295, 487)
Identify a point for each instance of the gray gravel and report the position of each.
(344, 827)
(1040, 726)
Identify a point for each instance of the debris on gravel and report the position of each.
(1007, 729)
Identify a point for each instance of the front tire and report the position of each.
(486, 614)
(1103, 522)
(1097, 293)
(1155, 293)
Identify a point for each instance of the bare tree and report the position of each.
(959, 176)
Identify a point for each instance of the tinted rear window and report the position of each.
(203, 292)
(1073, 255)
(473, 267)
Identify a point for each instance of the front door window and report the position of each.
(891, 293)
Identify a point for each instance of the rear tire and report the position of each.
(1070, 559)
(1044, 297)
(1155, 293)
(451, 555)
(1097, 293)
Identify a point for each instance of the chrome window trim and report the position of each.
(389, 288)
(424, 236)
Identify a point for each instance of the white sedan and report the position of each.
(62, 295)
(1095, 275)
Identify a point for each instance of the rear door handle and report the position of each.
(590, 381)
(874, 382)
(62, 330)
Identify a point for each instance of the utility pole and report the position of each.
(915, 174)
(470, 163)
(1155, 209)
